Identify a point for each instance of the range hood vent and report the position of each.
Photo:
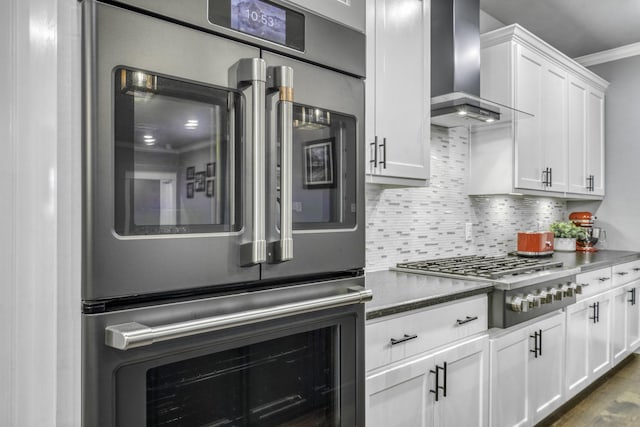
(455, 69)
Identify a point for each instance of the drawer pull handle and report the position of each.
(467, 320)
(403, 339)
(584, 284)
(604, 279)
(636, 269)
(622, 273)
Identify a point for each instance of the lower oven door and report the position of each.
(297, 370)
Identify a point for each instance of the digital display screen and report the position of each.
(259, 19)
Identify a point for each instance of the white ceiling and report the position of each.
(576, 27)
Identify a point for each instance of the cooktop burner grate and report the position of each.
(481, 266)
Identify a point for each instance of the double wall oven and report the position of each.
(223, 215)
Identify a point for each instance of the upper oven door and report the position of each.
(315, 215)
(171, 133)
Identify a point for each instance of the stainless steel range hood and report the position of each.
(455, 69)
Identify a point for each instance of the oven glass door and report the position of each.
(304, 376)
(167, 165)
(175, 156)
(327, 201)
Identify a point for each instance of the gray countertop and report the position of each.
(396, 292)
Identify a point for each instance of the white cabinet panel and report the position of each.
(588, 343)
(467, 391)
(509, 380)
(397, 396)
(398, 88)
(527, 372)
(422, 330)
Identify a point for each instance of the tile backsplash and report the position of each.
(410, 224)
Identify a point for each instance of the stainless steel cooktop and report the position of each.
(506, 272)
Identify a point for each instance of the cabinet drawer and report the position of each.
(393, 338)
(625, 273)
(594, 282)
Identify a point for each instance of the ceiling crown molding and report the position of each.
(621, 52)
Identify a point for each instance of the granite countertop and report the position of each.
(397, 292)
(588, 261)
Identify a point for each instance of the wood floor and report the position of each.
(615, 402)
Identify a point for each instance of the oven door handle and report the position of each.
(281, 79)
(253, 72)
(132, 335)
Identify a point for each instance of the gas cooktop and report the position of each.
(510, 271)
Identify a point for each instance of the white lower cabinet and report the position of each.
(445, 387)
(625, 321)
(588, 341)
(527, 372)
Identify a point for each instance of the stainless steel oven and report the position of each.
(285, 357)
(223, 215)
(223, 145)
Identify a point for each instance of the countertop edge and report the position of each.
(426, 302)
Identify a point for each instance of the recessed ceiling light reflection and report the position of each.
(149, 140)
(191, 124)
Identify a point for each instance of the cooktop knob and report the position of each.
(532, 301)
(518, 304)
(557, 293)
(568, 290)
(545, 296)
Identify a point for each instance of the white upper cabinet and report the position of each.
(347, 12)
(541, 141)
(586, 138)
(398, 92)
(560, 151)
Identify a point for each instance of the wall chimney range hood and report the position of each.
(455, 69)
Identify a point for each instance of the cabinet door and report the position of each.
(466, 401)
(397, 396)
(398, 102)
(595, 140)
(577, 347)
(577, 122)
(553, 117)
(633, 317)
(529, 69)
(509, 381)
(619, 333)
(546, 372)
(600, 337)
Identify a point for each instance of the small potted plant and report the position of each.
(565, 234)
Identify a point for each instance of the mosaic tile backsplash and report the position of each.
(410, 224)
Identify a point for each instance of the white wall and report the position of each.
(619, 212)
(39, 189)
(488, 22)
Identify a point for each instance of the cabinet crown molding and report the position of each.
(521, 35)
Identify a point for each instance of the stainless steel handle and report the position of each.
(622, 273)
(253, 72)
(132, 335)
(283, 80)
(604, 279)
